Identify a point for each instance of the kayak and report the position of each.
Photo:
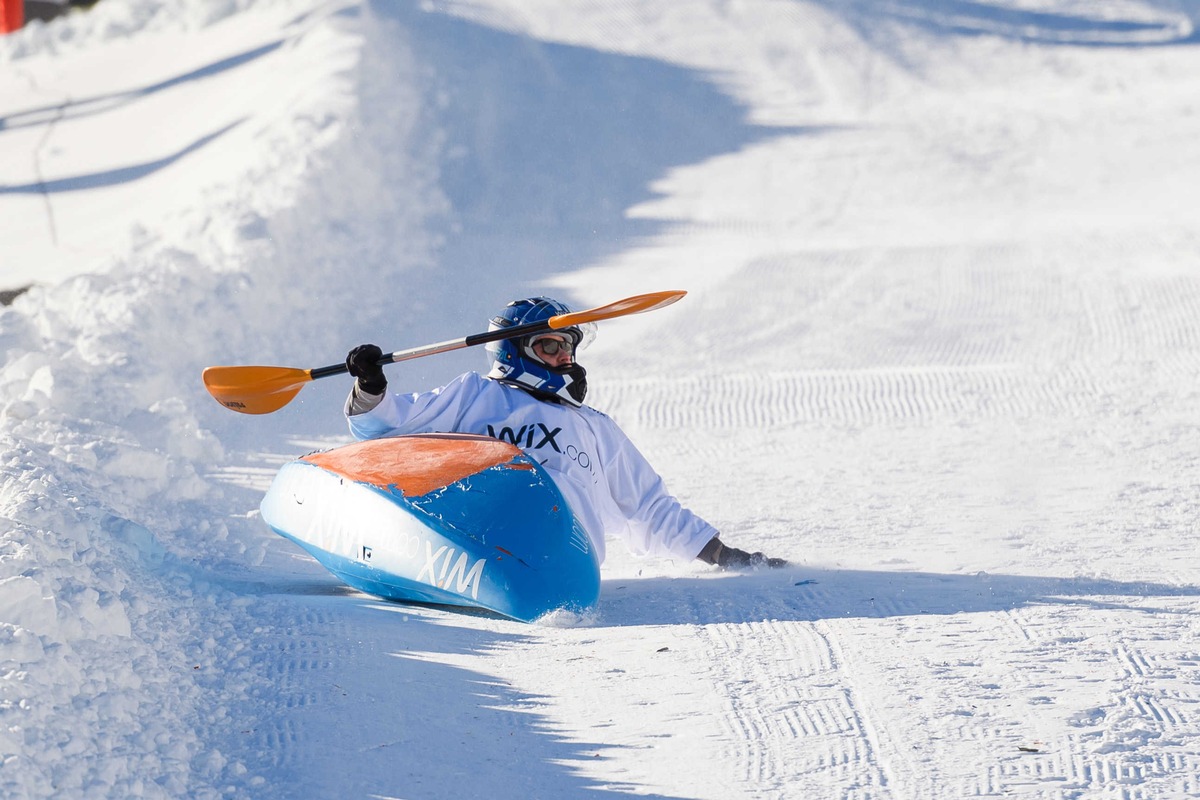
(448, 519)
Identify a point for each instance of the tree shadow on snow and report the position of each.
(120, 175)
(806, 595)
(73, 109)
(1032, 26)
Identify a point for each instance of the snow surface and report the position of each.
(941, 350)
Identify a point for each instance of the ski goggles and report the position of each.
(550, 345)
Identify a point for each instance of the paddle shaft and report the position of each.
(262, 390)
(515, 332)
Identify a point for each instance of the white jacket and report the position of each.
(608, 484)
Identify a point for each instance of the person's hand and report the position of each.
(363, 363)
(732, 558)
(722, 555)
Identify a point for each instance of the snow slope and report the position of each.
(940, 350)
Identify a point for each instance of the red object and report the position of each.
(12, 15)
(425, 462)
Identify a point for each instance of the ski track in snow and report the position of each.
(991, 341)
(940, 351)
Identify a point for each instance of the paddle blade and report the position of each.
(630, 305)
(255, 390)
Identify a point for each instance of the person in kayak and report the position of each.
(533, 397)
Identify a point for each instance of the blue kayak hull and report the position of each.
(439, 518)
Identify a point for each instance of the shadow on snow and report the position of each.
(978, 18)
(84, 107)
(548, 147)
(114, 177)
(373, 705)
(805, 595)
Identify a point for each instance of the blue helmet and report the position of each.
(514, 361)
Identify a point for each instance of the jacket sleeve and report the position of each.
(424, 412)
(657, 523)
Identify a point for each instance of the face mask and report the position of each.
(578, 387)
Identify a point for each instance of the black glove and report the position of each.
(363, 363)
(726, 557)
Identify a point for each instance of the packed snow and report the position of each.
(940, 350)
